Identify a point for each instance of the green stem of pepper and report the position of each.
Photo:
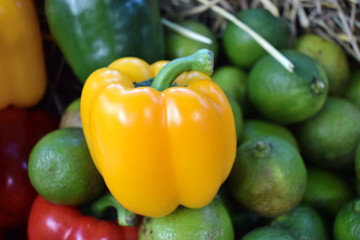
(201, 61)
(124, 216)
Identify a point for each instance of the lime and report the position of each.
(258, 127)
(268, 233)
(241, 49)
(357, 162)
(303, 223)
(286, 97)
(330, 137)
(242, 219)
(352, 93)
(347, 222)
(330, 56)
(268, 176)
(61, 169)
(233, 81)
(71, 116)
(177, 45)
(326, 192)
(238, 116)
(209, 222)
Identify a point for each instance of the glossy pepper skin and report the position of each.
(58, 222)
(20, 129)
(158, 147)
(22, 66)
(92, 34)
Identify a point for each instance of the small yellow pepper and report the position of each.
(159, 147)
(22, 66)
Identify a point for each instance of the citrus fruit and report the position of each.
(326, 192)
(330, 56)
(303, 223)
(177, 45)
(233, 81)
(241, 49)
(268, 176)
(352, 93)
(61, 169)
(258, 127)
(71, 116)
(286, 97)
(347, 222)
(357, 162)
(268, 233)
(209, 222)
(238, 116)
(330, 137)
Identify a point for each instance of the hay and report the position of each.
(338, 20)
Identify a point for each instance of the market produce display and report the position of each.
(179, 120)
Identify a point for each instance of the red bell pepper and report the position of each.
(20, 129)
(58, 222)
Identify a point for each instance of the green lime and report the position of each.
(257, 127)
(177, 45)
(268, 233)
(352, 93)
(303, 223)
(71, 116)
(210, 222)
(242, 219)
(61, 169)
(233, 81)
(241, 49)
(330, 56)
(326, 192)
(268, 176)
(330, 137)
(357, 162)
(238, 117)
(347, 222)
(286, 97)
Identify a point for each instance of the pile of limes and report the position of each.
(297, 167)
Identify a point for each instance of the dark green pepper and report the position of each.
(92, 34)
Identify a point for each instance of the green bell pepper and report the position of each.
(92, 34)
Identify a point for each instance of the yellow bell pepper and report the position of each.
(159, 147)
(22, 66)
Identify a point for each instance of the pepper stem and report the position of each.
(201, 61)
(124, 216)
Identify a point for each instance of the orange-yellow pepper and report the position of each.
(22, 66)
(159, 147)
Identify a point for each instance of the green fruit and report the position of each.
(330, 56)
(330, 137)
(61, 169)
(352, 93)
(286, 97)
(268, 233)
(209, 222)
(71, 116)
(303, 223)
(242, 219)
(241, 49)
(326, 192)
(357, 162)
(177, 45)
(268, 176)
(233, 81)
(256, 127)
(238, 117)
(347, 222)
